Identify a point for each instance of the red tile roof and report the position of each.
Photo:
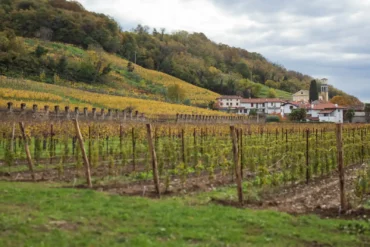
(262, 100)
(323, 106)
(326, 111)
(229, 97)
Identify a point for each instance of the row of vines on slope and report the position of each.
(271, 155)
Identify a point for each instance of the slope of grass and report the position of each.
(39, 215)
(142, 82)
(280, 94)
(31, 92)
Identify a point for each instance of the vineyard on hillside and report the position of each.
(31, 92)
(271, 156)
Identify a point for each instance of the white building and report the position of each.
(229, 102)
(325, 112)
(288, 107)
(261, 105)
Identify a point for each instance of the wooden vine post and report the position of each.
(183, 146)
(241, 152)
(27, 149)
(51, 149)
(84, 156)
(307, 156)
(339, 133)
(120, 140)
(362, 147)
(154, 160)
(237, 164)
(12, 140)
(133, 149)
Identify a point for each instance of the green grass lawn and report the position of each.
(280, 94)
(43, 215)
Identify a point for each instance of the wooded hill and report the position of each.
(191, 57)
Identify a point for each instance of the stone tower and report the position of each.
(325, 91)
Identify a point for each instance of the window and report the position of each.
(252, 105)
(263, 105)
(221, 104)
(291, 107)
(301, 92)
(237, 103)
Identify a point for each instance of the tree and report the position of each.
(313, 91)
(344, 100)
(272, 93)
(253, 112)
(212, 105)
(130, 67)
(40, 51)
(367, 112)
(175, 93)
(298, 115)
(256, 89)
(350, 114)
(62, 64)
(243, 69)
(272, 84)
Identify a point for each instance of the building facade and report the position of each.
(261, 106)
(229, 103)
(287, 108)
(318, 111)
(325, 112)
(301, 96)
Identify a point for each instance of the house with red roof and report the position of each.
(318, 111)
(325, 112)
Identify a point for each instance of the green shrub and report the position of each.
(272, 119)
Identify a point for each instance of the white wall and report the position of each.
(267, 107)
(285, 109)
(336, 116)
(226, 103)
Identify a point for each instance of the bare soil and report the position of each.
(320, 196)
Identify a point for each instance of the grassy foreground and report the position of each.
(40, 215)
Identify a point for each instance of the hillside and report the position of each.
(30, 92)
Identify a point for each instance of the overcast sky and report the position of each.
(321, 38)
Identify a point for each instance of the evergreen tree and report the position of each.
(313, 91)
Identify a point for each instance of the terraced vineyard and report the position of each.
(31, 92)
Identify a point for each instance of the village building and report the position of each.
(318, 111)
(261, 106)
(288, 107)
(301, 96)
(325, 112)
(229, 103)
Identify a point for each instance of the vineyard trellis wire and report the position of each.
(270, 155)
